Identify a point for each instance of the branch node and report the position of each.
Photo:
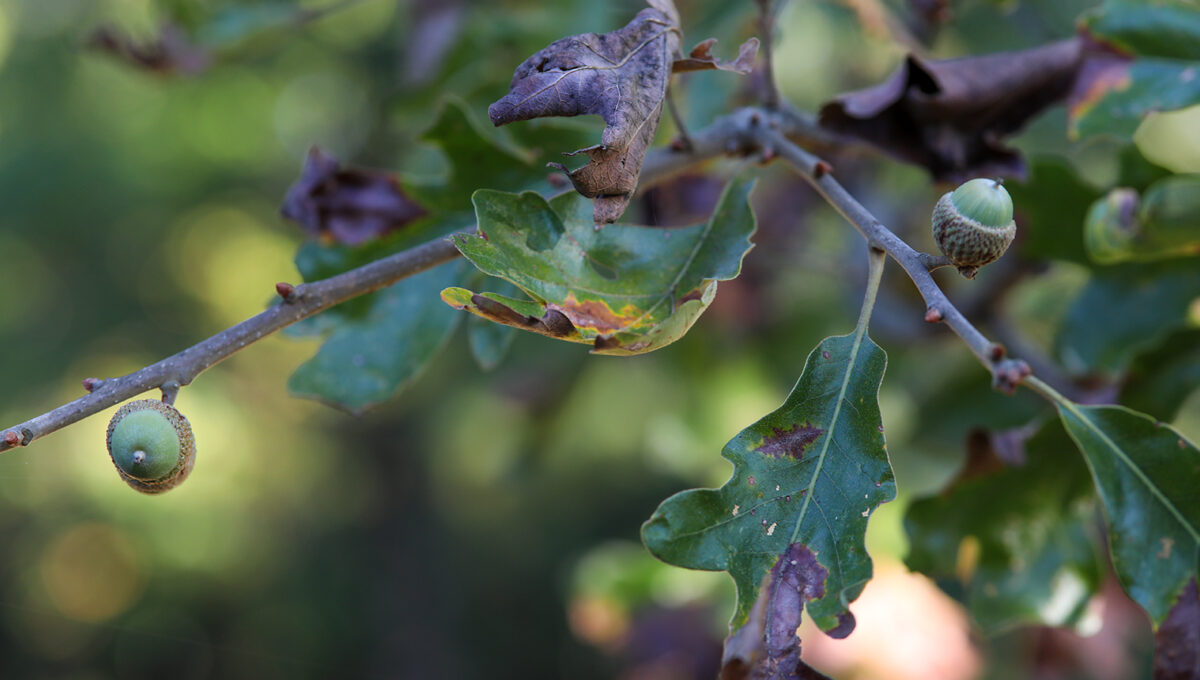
(821, 169)
(12, 439)
(996, 351)
(286, 291)
(92, 384)
(1009, 373)
(170, 390)
(933, 315)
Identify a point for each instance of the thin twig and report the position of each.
(1006, 372)
(180, 369)
(766, 26)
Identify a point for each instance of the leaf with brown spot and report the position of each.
(950, 116)
(347, 205)
(621, 76)
(790, 442)
(624, 290)
(1177, 641)
(701, 58)
(775, 506)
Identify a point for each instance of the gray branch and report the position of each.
(751, 131)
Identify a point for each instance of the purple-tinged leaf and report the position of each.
(1177, 642)
(950, 116)
(621, 76)
(347, 204)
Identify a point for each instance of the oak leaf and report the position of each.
(621, 76)
(950, 116)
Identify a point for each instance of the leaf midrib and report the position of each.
(1137, 472)
(859, 333)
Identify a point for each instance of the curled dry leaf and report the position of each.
(702, 59)
(950, 116)
(347, 204)
(621, 76)
(767, 646)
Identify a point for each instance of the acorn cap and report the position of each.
(151, 445)
(984, 200)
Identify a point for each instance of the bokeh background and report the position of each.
(479, 524)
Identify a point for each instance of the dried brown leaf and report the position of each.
(702, 59)
(621, 76)
(767, 647)
(950, 116)
(347, 204)
(1177, 642)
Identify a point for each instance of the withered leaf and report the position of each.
(950, 116)
(1177, 642)
(767, 647)
(702, 59)
(622, 76)
(348, 205)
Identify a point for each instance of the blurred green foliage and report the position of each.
(469, 527)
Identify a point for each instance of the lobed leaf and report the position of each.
(806, 477)
(624, 289)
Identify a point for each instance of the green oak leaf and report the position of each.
(623, 289)
(1163, 28)
(1148, 476)
(1160, 381)
(366, 360)
(1123, 310)
(1050, 208)
(806, 477)
(1119, 94)
(1016, 545)
(475, 158)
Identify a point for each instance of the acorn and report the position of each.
(973, 225)
(152, 445)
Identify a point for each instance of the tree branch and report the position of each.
(725, 136)
(741, 133)
(299, 302)
(1006, 372)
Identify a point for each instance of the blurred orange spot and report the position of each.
(599, 621)
(907, 630)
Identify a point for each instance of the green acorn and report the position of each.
(973, 225)
(152, 445)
